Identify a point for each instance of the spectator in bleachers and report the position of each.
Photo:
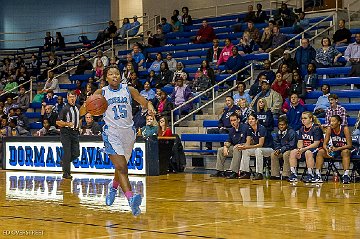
(19, 63)
(327, 55)
(164, 106)
(15, 129)
(246, 45)
(48, 42)
(341, 140)
(290, 62)
(59, 42)
(241, 94)
(253, 31)
(281, 86)
(278, 39)
(59, 105)
(264, 115)
(245, 110)
(309, 141)
(158, 39)
(179, 73)
(231, 148)
(301, 23)
(205, 34)
(10, 89)
(186, 19)
(270, 75)
(265, 40)
(273, 99)
(83, 65)
(286, 73)
(235, 62)
(127, 73)
(51, 83)
(226, 52)
(224, 124)
(7, 68)
(356, 126)
(52, 62)
(107, 33)
(22, 76)
(207, 71)
(176, 14)
(151, 128)
(298, 85)
(138, 56)
(256, 87)
(100, 57)
(23, 99)
(99, 70)
(352, 53)
(166, 76)
(102, 83)
(201, 82)
(181, 94)
(335, 109)
(10, 103)
(134, 81)
(78, 88)
(155, 66)
(260, 15)
(50, 98)
(35, 65)
(284, 141)
(134, 27)
(85, 93)
(129, 59)
(47, 112)
(47, 129)
(250, 15)
(22, 120)
(322, 103)
(259, 143)
(152, 78)
(311, 78)
(284, 16)
(171, 62)
(213, 53)
(164, 129)
(305, 55)
(165, 26)
(147, 92)
(293, 115)
(342, 36)
(91, 127)
(176, 24)
(121, 32)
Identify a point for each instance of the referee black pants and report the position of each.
(70, 141)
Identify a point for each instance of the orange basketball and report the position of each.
(96, 104)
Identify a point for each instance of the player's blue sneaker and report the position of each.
(110, 198)
(134, 203)
(317, 179)
(308, 178)
(346, 179)
(293, 178)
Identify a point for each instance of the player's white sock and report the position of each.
(293, 170)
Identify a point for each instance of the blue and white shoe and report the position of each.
(134, 203)
(346, 179)
(110, 198)
(308, 178)
(317, 179)
(293, 177)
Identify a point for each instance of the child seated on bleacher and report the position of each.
(151, 127)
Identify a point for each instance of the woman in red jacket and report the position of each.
(280, 85)
(164, 129)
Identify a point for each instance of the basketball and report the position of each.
(96, 104)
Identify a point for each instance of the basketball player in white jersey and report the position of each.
(119, 133)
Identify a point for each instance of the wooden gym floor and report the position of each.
(42, 205)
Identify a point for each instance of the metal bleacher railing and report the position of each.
(302, 35)
(156, 19)
(30, 91)
(212, 101)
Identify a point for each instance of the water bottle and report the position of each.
(336, 177)
(267, 172)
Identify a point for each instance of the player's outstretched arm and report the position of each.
(145, 104)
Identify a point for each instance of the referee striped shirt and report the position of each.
(71, 113)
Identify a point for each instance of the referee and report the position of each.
(69, 123)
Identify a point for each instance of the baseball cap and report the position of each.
(265, 81)
(135, 16)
